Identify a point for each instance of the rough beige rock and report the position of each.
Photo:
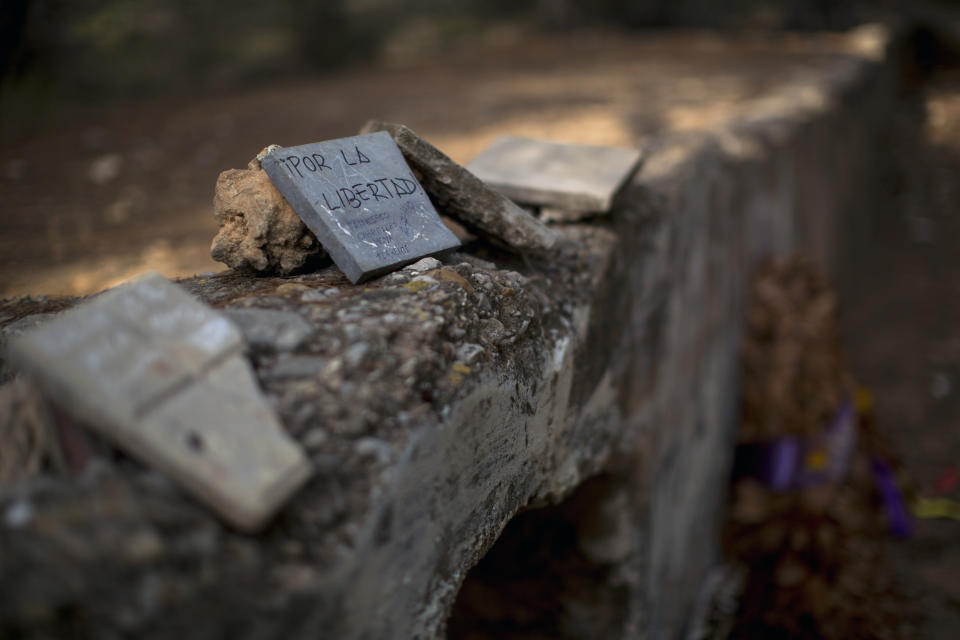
(259, 230)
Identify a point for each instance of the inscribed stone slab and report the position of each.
(361, 200)
(578, 179)
(163, 376)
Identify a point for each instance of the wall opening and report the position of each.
(555, 572)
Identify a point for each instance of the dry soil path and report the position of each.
(100, 195)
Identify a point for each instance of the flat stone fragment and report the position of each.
(463, 196)
(570, 180)
(358, 196)
(164, 377)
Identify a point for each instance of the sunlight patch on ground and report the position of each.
(96, 274)
(590, 125)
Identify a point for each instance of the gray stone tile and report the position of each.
(570, 180)
(361, 200)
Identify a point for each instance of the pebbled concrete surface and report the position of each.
(438, 402)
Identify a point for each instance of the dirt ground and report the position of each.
(101, 195)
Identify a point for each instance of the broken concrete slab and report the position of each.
(163, 376)
(570, 180)
(223, 441)
(360, 199)
(463, 196)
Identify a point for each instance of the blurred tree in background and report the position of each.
(56, 50)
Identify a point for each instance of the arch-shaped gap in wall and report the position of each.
(554, 572)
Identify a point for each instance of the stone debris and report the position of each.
(271, 329)
(295, 367)
(569, 181)
(463, 196)
(373, 448)
(259, 230)
(163, 376)
(318, 295)
(315, 439)
(425, 264)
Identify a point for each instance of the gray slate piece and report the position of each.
(164, 377)
(567, 179)
(270, 329)
(463, 196)
(360, 199)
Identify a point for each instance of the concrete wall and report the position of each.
(445, 408)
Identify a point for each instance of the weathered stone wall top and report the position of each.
(438, 401)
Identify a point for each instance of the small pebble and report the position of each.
(18, 514)
(373, 448)
(424, 264)
(314, 439)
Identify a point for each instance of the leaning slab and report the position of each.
(447, 402)
(163, 376)
(465, 197)
(571, 180)
(359, 198)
